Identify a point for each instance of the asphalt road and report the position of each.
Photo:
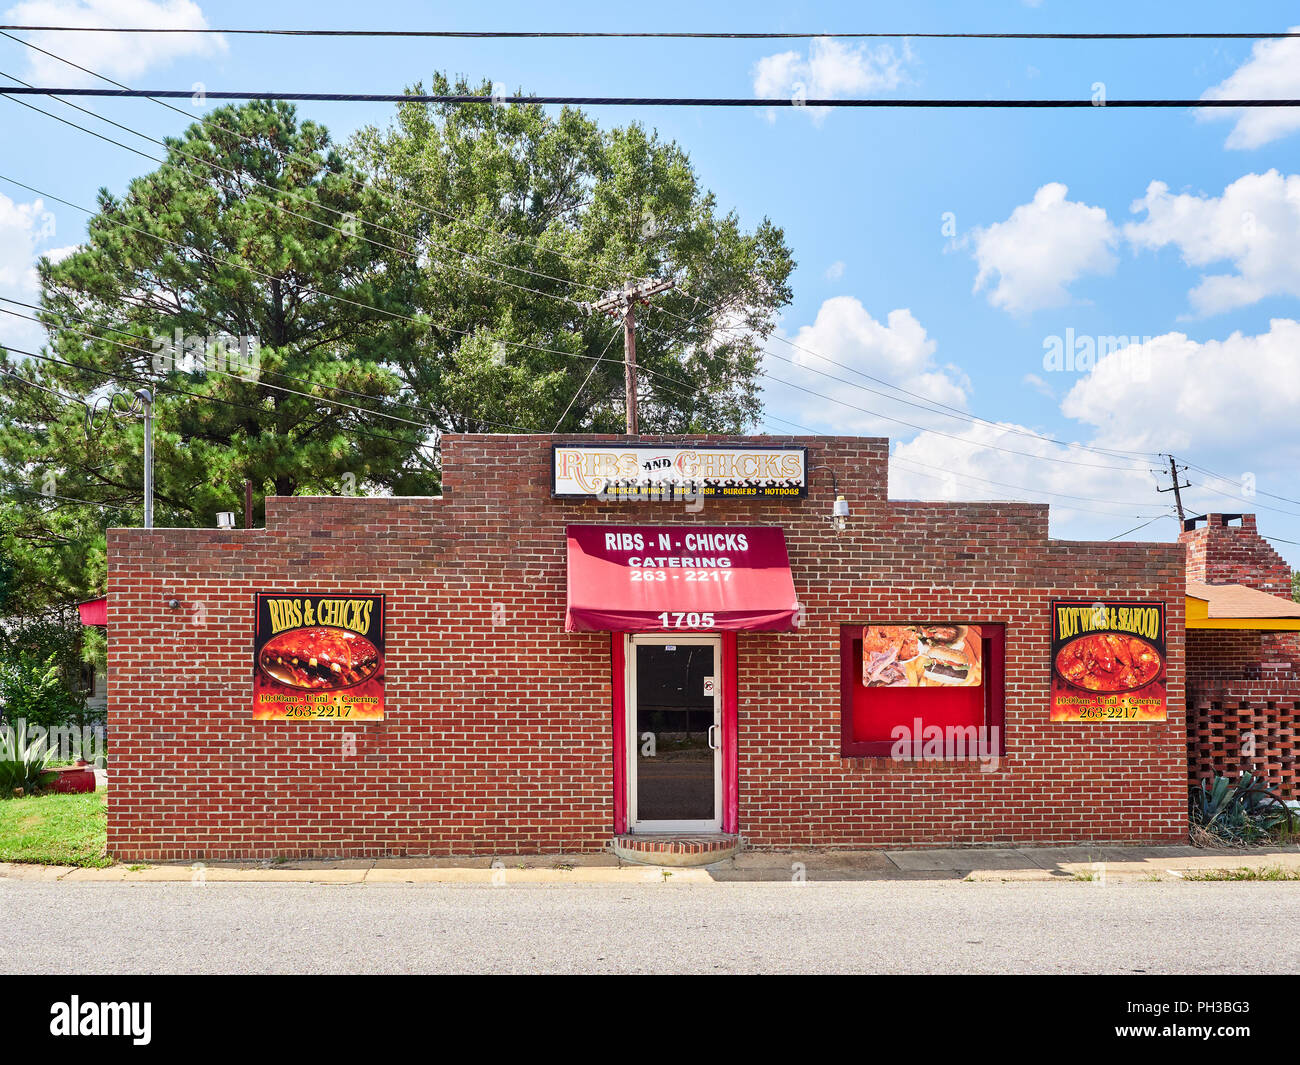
(892, 927)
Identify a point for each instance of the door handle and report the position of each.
(711, 737)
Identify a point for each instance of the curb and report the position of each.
(870, 867)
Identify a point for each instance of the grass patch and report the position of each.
(55, 830)
(1271, 872)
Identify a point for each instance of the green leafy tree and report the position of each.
(240, 252)
(430, 277)
(563, 211)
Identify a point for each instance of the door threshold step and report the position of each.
(697, 848)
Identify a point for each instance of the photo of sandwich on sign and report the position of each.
(921, 656)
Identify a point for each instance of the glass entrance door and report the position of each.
(675, 709)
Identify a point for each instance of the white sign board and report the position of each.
(645, 471)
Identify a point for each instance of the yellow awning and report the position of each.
(1234, 606)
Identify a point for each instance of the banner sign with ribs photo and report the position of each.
(318, 657)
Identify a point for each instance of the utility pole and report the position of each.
(140, 402)
(623, 302)
(1174, 486)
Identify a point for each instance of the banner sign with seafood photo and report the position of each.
(921, 656)
(318, 657)
(1108, 661)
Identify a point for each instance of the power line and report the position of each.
(1239, 484)
(927, 405)
(930, 405)
(1021, 487)
(297, 196)
(276, 373)
(661, 35)
(66, 499)
(387, 194)
(942, 475)
(32, 384)
(180, 391)
(1137, 527)
(225, 373)
(954, 412)
(646, 101)
(586, 381)
(422, 322)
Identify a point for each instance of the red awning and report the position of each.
(670, 577)
(94, 611)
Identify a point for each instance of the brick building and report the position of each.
(721, 693)
(1243, 654)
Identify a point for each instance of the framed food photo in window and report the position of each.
(922, 690)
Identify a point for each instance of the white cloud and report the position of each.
(1091, 495)
(830, 69)
(1237, 397)
(835, 271)
(1038, 385)
(1255, 225)
(896, 350)
(117, 55)
(1042, 247)
(24, 227)
(1230, 404)
(1271, 72)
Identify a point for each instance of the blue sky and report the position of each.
(938, 250)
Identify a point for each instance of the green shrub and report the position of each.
(24, 763)
(34, 691)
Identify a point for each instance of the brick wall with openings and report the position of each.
(1246, 724)
(1243, 686)
(497, 736)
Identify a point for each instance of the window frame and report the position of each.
(995, 701)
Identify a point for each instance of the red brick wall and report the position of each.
(497, 735)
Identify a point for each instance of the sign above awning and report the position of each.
(673, 578)
(653, 471)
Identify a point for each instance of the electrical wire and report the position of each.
(587, 380)
(389, 195)
(347, 431)
(424, 323)
(1137, 527)
(67, 499)
(659, 35)
(927, 405)
(460, 99)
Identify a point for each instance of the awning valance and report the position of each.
(94, 611)
(625, 578)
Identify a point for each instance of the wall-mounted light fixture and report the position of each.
(225, 519)
(839, 516)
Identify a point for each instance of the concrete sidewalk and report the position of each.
(1095, 863)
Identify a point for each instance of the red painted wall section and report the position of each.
(618, 738)
(730, 736)
(500, 727)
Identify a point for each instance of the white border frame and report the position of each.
(630, 644)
